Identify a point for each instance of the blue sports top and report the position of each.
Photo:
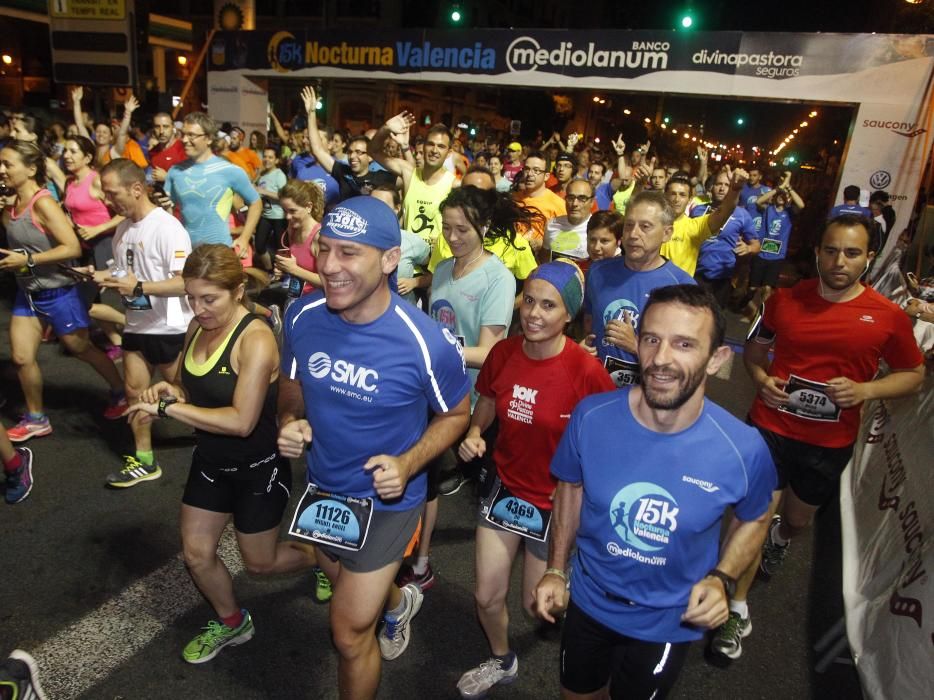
(368, 389)
(651, 510)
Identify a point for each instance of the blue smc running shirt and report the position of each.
(368, 389)
(651, 509)
(612, 288)
(204, 191)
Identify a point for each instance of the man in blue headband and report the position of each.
(361, 369)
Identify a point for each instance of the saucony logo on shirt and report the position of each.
(223, 370)
(700, 483)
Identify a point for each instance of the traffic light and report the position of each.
(687, 18)
(740, 121)
(455, 14)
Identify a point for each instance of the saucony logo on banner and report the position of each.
(906, 129)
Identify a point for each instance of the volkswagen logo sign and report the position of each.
(880, 179)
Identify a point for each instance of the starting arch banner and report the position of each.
(887, 75)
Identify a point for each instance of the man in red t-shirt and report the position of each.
(828, 335)
(168, 150)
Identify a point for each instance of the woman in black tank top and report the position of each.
(226, 390)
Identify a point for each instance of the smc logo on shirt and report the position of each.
(343, 372)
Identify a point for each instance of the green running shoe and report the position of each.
(215, 637)
(134, 472)
(323, 591)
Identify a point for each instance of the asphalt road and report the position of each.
(95, 589)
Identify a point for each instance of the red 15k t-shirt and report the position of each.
(534, 400)
(820, 340)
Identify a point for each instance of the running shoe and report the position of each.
(19, 677)
(407, 575)
(323, 590)
(133, 472)
(772, 554)
(395, 636)
(116, 407)
(728, 638)
(451, 484)
(19, 482)
(477, 682)
(215, 637)
(29, 428)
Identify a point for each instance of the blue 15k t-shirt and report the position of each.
(774, 233)
(613, 288)
(651, 510)
(716, 259)
(305, 167)
(849, 209)
(748, 196)
(368, 389)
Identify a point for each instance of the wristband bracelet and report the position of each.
(557, 572)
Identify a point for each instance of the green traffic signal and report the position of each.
(687, 21)
(455, 16)
(740, 121)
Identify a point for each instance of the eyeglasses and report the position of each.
(534, 171)
(578, 198)
(190, 136)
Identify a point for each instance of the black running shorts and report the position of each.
(255, 493)
(593, 655)
(813, 472)
(156, 349)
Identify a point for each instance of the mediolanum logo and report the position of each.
(526, 53)
(343, 372)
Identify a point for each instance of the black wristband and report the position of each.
(729, 583)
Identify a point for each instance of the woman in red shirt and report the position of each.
(530, 383)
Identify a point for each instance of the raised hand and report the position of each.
(619, 145)
(401, 123)
(309, 98)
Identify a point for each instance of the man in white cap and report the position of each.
(360, 371)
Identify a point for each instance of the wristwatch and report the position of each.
(30, 263)
(138, 289)
(729, 583)
(164, 403)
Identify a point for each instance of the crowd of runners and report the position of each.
(542, 315)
